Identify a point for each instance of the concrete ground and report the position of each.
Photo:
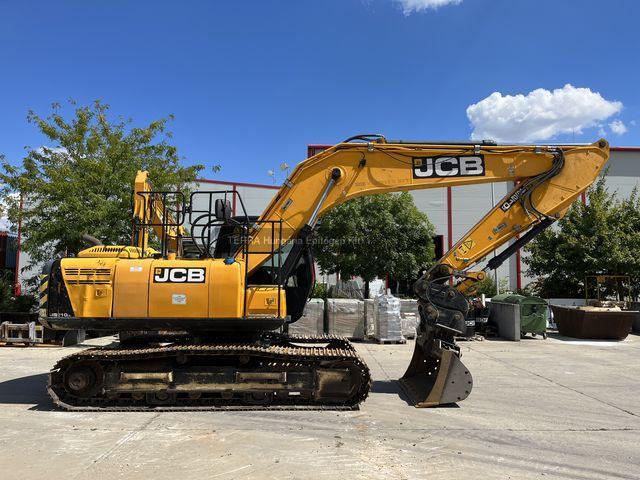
(548, 409)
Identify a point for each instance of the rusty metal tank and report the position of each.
(593, 322)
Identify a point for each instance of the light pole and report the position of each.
(285, 168)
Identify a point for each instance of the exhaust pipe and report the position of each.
(91, 240)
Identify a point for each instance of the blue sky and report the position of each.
(251, 83)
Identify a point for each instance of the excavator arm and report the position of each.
(545, 179)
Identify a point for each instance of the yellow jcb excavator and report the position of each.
(219, 286)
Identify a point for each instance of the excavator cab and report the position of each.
(207, 226)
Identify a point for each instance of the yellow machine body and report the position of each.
(115, 287)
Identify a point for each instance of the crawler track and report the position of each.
(277, 373)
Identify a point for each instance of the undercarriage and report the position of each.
(277, 372)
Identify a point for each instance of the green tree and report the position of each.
(6, 293)
(81, 182)
(374, 236)
(602, 237)
(486, 286)
(11, 303)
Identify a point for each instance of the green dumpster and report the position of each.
(534, 312)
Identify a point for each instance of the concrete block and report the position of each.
(409, 325)
(408, 306)
(507, 317)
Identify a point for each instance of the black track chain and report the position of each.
(290, 352)
(332, 341)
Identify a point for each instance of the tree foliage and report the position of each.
(487, 287)
(81, 182)
(9, 302)
(602, 237)
(373, 236)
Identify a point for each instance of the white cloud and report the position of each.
(5, 224)
(47, 150)
(618, 127)
(411, 6)
(539, 115)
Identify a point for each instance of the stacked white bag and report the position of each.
(312, 320)
(388, 322)
(409, 325)
(409, 314)
(345, 318)
(369, 319)
(408, 306)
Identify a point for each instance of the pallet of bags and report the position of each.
(409, 314)
(312, 320)
(388, 322)
(345, 318)
(408, 306)
(369, 320)
(409, 323)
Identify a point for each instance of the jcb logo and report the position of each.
(178, 275)
(435, 167)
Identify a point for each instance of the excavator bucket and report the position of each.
(436, 376)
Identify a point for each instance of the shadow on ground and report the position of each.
(562, 338)
(31, 390)
(393, 387)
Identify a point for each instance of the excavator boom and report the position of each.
(546, 180)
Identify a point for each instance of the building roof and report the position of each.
(625, 149)
(238, 184)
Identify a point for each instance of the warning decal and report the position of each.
(466, 246)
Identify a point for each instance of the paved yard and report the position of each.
(539, 409)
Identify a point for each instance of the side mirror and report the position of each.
(223, 209)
